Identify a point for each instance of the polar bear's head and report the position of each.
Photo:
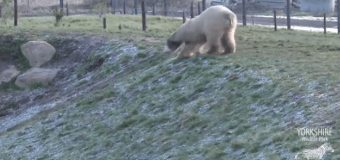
(175, 40)
(173, 45)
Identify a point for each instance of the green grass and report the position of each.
(247, 105)
(10, 106)
(10, 51)
(7, 86)
(131, 26)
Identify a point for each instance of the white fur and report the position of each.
(213, 24)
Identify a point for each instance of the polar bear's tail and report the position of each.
(232, 19)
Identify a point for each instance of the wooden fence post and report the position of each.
(199, 8)
(28, 7)
(324, 23)
(136, 7)
(143, 16)
(203, 5)
(183, 17)
(62, 6)
(104, 23)
(66, 8)
(244, 13)
(338, 16)
(252, 19)
(113, 6)
(153, 8)
(15, 12)
(61, 3)
(124, 9)
(165, 7)
(288, 14)
(172, 14)
(192, 9)
(275, 24)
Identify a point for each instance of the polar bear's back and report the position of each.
(217, 16)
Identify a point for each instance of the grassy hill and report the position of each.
(247, 105)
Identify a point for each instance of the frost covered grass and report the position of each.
(247, 105)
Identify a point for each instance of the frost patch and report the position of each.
(335, 106)
(205, 108)
(129, 50)
(9, 122)
(300, 116)
(209, 140)
(196, 156)
(264, 80)
(258, 108)
(312, 86)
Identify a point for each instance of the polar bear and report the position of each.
(214, 28)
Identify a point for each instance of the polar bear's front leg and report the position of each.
(189, 48)
(199, 49)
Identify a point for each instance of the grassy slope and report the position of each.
(244, 106)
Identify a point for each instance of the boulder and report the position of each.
(37, 52)
(36, 76)
(7, 72)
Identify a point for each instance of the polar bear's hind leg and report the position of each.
(214, 43)
(228, 39)
(229, 46)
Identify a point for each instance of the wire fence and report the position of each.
(247, 11)
(41, 8)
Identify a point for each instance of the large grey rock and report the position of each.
(7, 72)
(36, 76)
(37, 52)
